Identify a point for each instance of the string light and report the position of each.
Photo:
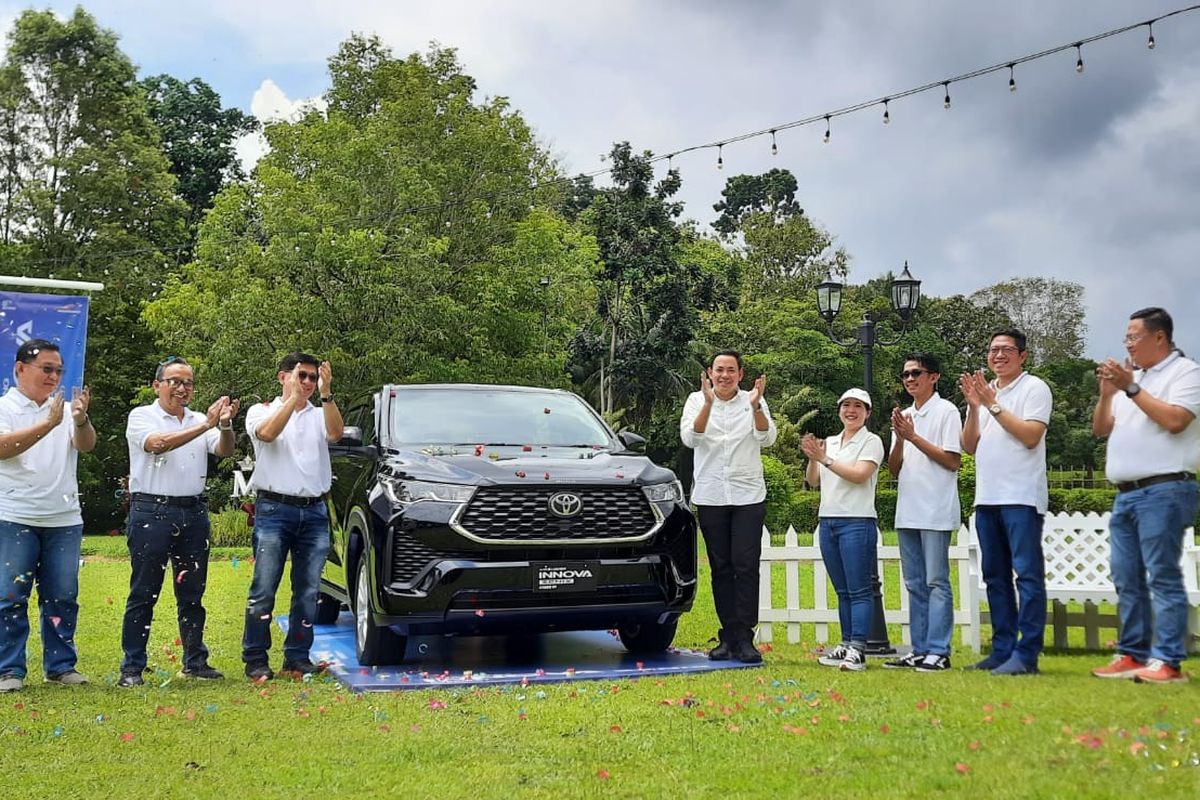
(1150, 41)
(946, 100)
(720, 160)
(826, 129)
(886, 116)
(774, 144)
(1079, 61)
(1012, 78)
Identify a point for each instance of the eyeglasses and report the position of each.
(50, 370)
(1003, 350)
(176, 383)
(912, 373)
(310, 377)
(1134, 338)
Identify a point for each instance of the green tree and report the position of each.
(85, 192)
(1049, 311)
(392, 235)
(198, 136)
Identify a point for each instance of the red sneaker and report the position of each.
(1121, 666)
(1157, 671)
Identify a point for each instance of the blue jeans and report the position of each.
(156, 534)
(1146, 536)
(1010, 540)
(848, 550)
(49, 557)
(925, 560)
(280, 529)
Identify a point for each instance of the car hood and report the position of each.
(514, 466)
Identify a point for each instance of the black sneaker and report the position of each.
(203, 672)
(259, 672)
(747, 653)
(301, 668)
(988, 664)
(128, 680)
(933, 663)
(907, 661)
(722, 652)
(834, 657)
(854, 661)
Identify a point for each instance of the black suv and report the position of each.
(465, 509)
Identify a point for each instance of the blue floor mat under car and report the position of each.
(443, 661)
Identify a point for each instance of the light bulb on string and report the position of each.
(886, 116)
(774, 144)
(827, 131)
(1150, 41)
(1079, 60)
(946, 100)
(1012, 78)
(720, 160)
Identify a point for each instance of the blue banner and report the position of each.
(61, 319)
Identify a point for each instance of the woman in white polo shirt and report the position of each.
(846, 467)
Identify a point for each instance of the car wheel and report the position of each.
(328, 609)
(376, 645)
(648, 637)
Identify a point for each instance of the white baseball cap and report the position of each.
(855, 394)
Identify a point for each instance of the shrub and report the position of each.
(230, 528)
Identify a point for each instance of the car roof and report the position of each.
(473, 387)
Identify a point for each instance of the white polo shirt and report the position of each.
(843, 498)
(38, 487)
(176, 473)
(297, 461)
(1140, 448)
(1006, 471)
(728, 464)
(927, 492)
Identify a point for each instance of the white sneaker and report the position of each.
(855, 660)
(834, 657)
(11, 683)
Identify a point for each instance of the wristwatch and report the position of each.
(994, 409)
(327, 398)
(1132, 389)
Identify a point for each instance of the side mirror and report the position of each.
(351, 437)
(632, 441)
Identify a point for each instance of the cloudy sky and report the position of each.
(1091, 177)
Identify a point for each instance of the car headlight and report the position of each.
(403, 492)
(664, 492)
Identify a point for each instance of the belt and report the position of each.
(1129, 486)
(187, 501)
(289, 499)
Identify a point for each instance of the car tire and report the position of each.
(375, 645)
(647, 637)
(329, 608)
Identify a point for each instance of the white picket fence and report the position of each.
(1077, 555)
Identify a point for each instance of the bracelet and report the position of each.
(228, 427)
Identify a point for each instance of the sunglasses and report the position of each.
(175, 383)
(310, 377)
(912, 373)
(50, 370)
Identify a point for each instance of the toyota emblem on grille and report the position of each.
(565, 504)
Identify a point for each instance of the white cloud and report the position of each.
(271, 104)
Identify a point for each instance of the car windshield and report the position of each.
(450, 416)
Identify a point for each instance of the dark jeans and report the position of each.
(733, 538)
(280, 529)
(848, 548)
(1010, 540)
(156, 534)
(49, 558)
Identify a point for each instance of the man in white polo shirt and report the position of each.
(1005, 429)
(291, 476)
(925, 456)
(1147, 409)
(41, 528)
(168, 519)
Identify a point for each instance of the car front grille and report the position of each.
(513, 516)
(409, 556)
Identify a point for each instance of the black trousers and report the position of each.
(733, 538)
(158, 534)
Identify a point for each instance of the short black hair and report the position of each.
(166, 362)
(732, 353)
(290, 361)
(28, 352)
(1012, 333)
(928, 362)
(1156, 319)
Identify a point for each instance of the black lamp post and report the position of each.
(906, 294)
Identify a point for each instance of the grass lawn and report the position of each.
(790, 729)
